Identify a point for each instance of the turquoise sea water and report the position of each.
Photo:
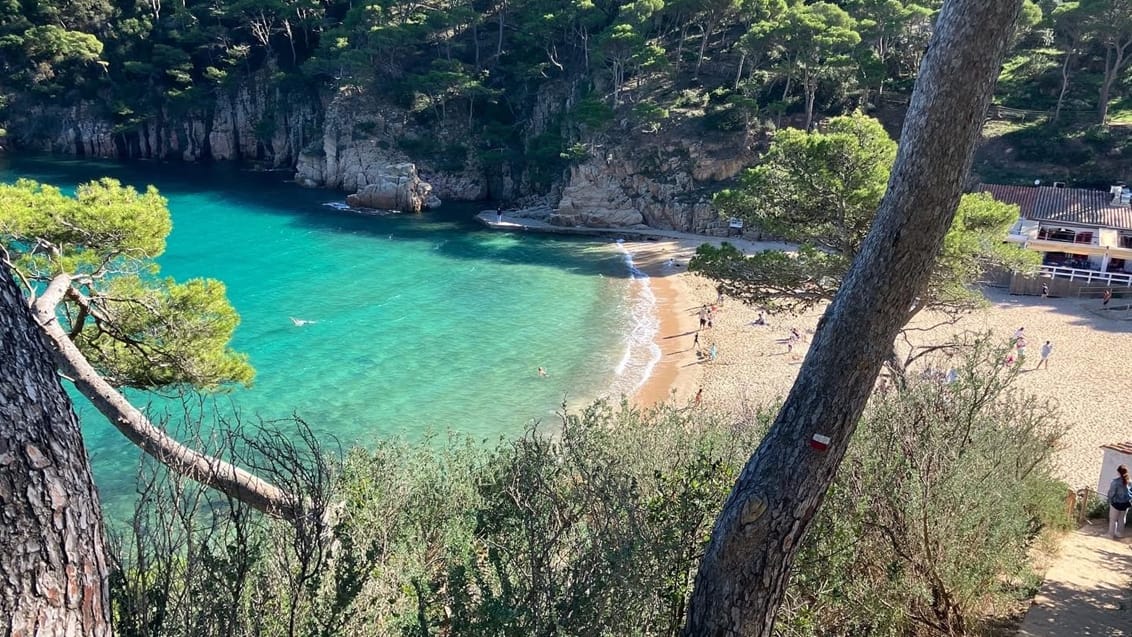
(420, 321)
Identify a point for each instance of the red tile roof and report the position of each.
(1120, 447)
(1067, 205)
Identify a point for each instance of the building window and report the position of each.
(1067, 235)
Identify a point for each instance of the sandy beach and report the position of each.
(1088, 373)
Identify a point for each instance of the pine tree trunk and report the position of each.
(208, 470)
(1064, 85)
(1106, 86)
(743, 575)
(810, 88)
(53, 573)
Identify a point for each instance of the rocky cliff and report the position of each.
(250, 121)
(359, 143)
(380, 155)
(660, 183)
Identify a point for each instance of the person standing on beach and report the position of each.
(499, 212)
(696, 341)
(1119, 499)
(1019, 332)
(1046, 350)
(713, 352)
(1107, 296)
(1020, 345)
(703, 317)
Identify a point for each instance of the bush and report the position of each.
(595, 526)
(592, 112)
(942, 492)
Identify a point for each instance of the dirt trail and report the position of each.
(1088, 590)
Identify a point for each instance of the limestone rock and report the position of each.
(396, 187)
(458, 186)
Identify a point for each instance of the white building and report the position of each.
(1115, 454)
(1083, 235)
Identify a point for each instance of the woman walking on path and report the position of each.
(1119, 499)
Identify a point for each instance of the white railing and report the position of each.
(1088, 276)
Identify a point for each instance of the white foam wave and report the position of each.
(641, 353)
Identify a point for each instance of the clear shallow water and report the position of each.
(421, 321)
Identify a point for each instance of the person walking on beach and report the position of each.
(713, 352)
(1119, 499)
(1046, 350)
(699, 397)
(1107, 296)
(1020, 345)
(696, 341)
(1019, 332)
(1045, 291)
(499, 213)
(703, 317)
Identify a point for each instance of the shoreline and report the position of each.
(677, 375)
(756, 368)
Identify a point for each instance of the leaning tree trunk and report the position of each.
(208, 470)
(743, 575)
(53, 574)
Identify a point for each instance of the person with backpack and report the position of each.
(1119, 499)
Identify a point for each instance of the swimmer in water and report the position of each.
(301, 322)
(542, 373)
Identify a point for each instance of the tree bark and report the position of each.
(133, 424)
(53, 573)
(810, 87)
(1064, 85)
(1114, 60)
(743, 575)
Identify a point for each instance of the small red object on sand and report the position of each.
(819, 442)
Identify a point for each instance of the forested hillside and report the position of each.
(499, 98)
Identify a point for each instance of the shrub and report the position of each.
(943, 490)
(595, 526)
(592, 112)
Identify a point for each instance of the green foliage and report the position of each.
(493, 67)
(575, 153)
(546, 158)
(821, 190)
(592, 113)
(104, 221)
(943, 490)
(600, 522)
(137, 329)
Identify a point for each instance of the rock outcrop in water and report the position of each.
(397, 187)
